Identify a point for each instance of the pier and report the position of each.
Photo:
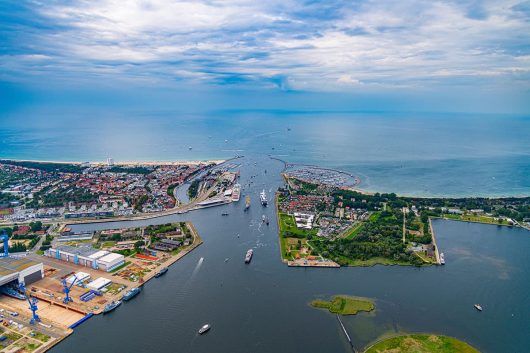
(346, 333)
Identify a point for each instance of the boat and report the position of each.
(247, 202)
(12, 292)
(442, 259)
(224, 214)
(263, 218)
(204, 329)
(162, 271)
(263, 198)
(478, 307)
(236, 192)
(267, 220)
(248, 257)
(111, 306)
(131, 293)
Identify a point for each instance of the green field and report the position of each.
(344, 305)
(473, 218)
(421, 343)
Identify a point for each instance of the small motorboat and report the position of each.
(224, 214)
(204, 329)
(478, 307)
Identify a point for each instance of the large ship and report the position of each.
(236, 192)
(111, 306)
(247, 202)
(263, 198)
(131, 293)
(248, 257)
(12, 292)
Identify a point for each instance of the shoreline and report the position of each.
(125, 163)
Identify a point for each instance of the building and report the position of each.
(87, 256)
(166, 245)
(110, 162)
(20, 270)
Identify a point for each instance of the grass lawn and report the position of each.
(354, 231)
(345, 305)
(421, 344)
(41, 336)
(473, 218)
(376, 261)
(108, 244)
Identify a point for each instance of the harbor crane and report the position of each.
(5, 239)
(66, 289)
(32, 301)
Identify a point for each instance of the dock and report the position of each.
(436, 252)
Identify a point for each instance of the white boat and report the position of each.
(478, 307)
(442, 259)
(248, 256)
(204, 329)
(263, 198)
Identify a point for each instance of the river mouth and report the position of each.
(262, 307)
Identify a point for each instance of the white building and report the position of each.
(87, 256)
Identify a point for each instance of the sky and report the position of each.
(453, 56)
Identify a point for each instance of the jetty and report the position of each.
(346, 333)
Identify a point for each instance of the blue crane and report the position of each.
(5, 239)
(32, 301)
(66, 289)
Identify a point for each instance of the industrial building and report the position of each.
(20, 270)
(87, 256)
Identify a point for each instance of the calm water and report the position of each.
(263, 307)
(444, 155)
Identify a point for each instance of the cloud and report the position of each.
(290, 45)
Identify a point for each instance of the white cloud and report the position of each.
(378, 43)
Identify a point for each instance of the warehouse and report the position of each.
(87, 256)
(20, 270)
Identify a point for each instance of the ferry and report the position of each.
(248, 257)
(247, 202)
(442, 259)
(131, 293)
(263, 198)
(111, 306)
(204, 329)
(162, 271)
(478, 307)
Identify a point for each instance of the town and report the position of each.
(323, 223)
(54, 191)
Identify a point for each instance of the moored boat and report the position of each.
(131, 293)
(111, 306)
(162, 271)
(442, 259)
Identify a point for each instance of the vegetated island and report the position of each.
(344, 305)
(421, 343)
(325, 225)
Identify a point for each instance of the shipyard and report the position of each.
(46, 294)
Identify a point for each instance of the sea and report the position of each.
(264, 306)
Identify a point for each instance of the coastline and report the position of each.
(126, 163)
